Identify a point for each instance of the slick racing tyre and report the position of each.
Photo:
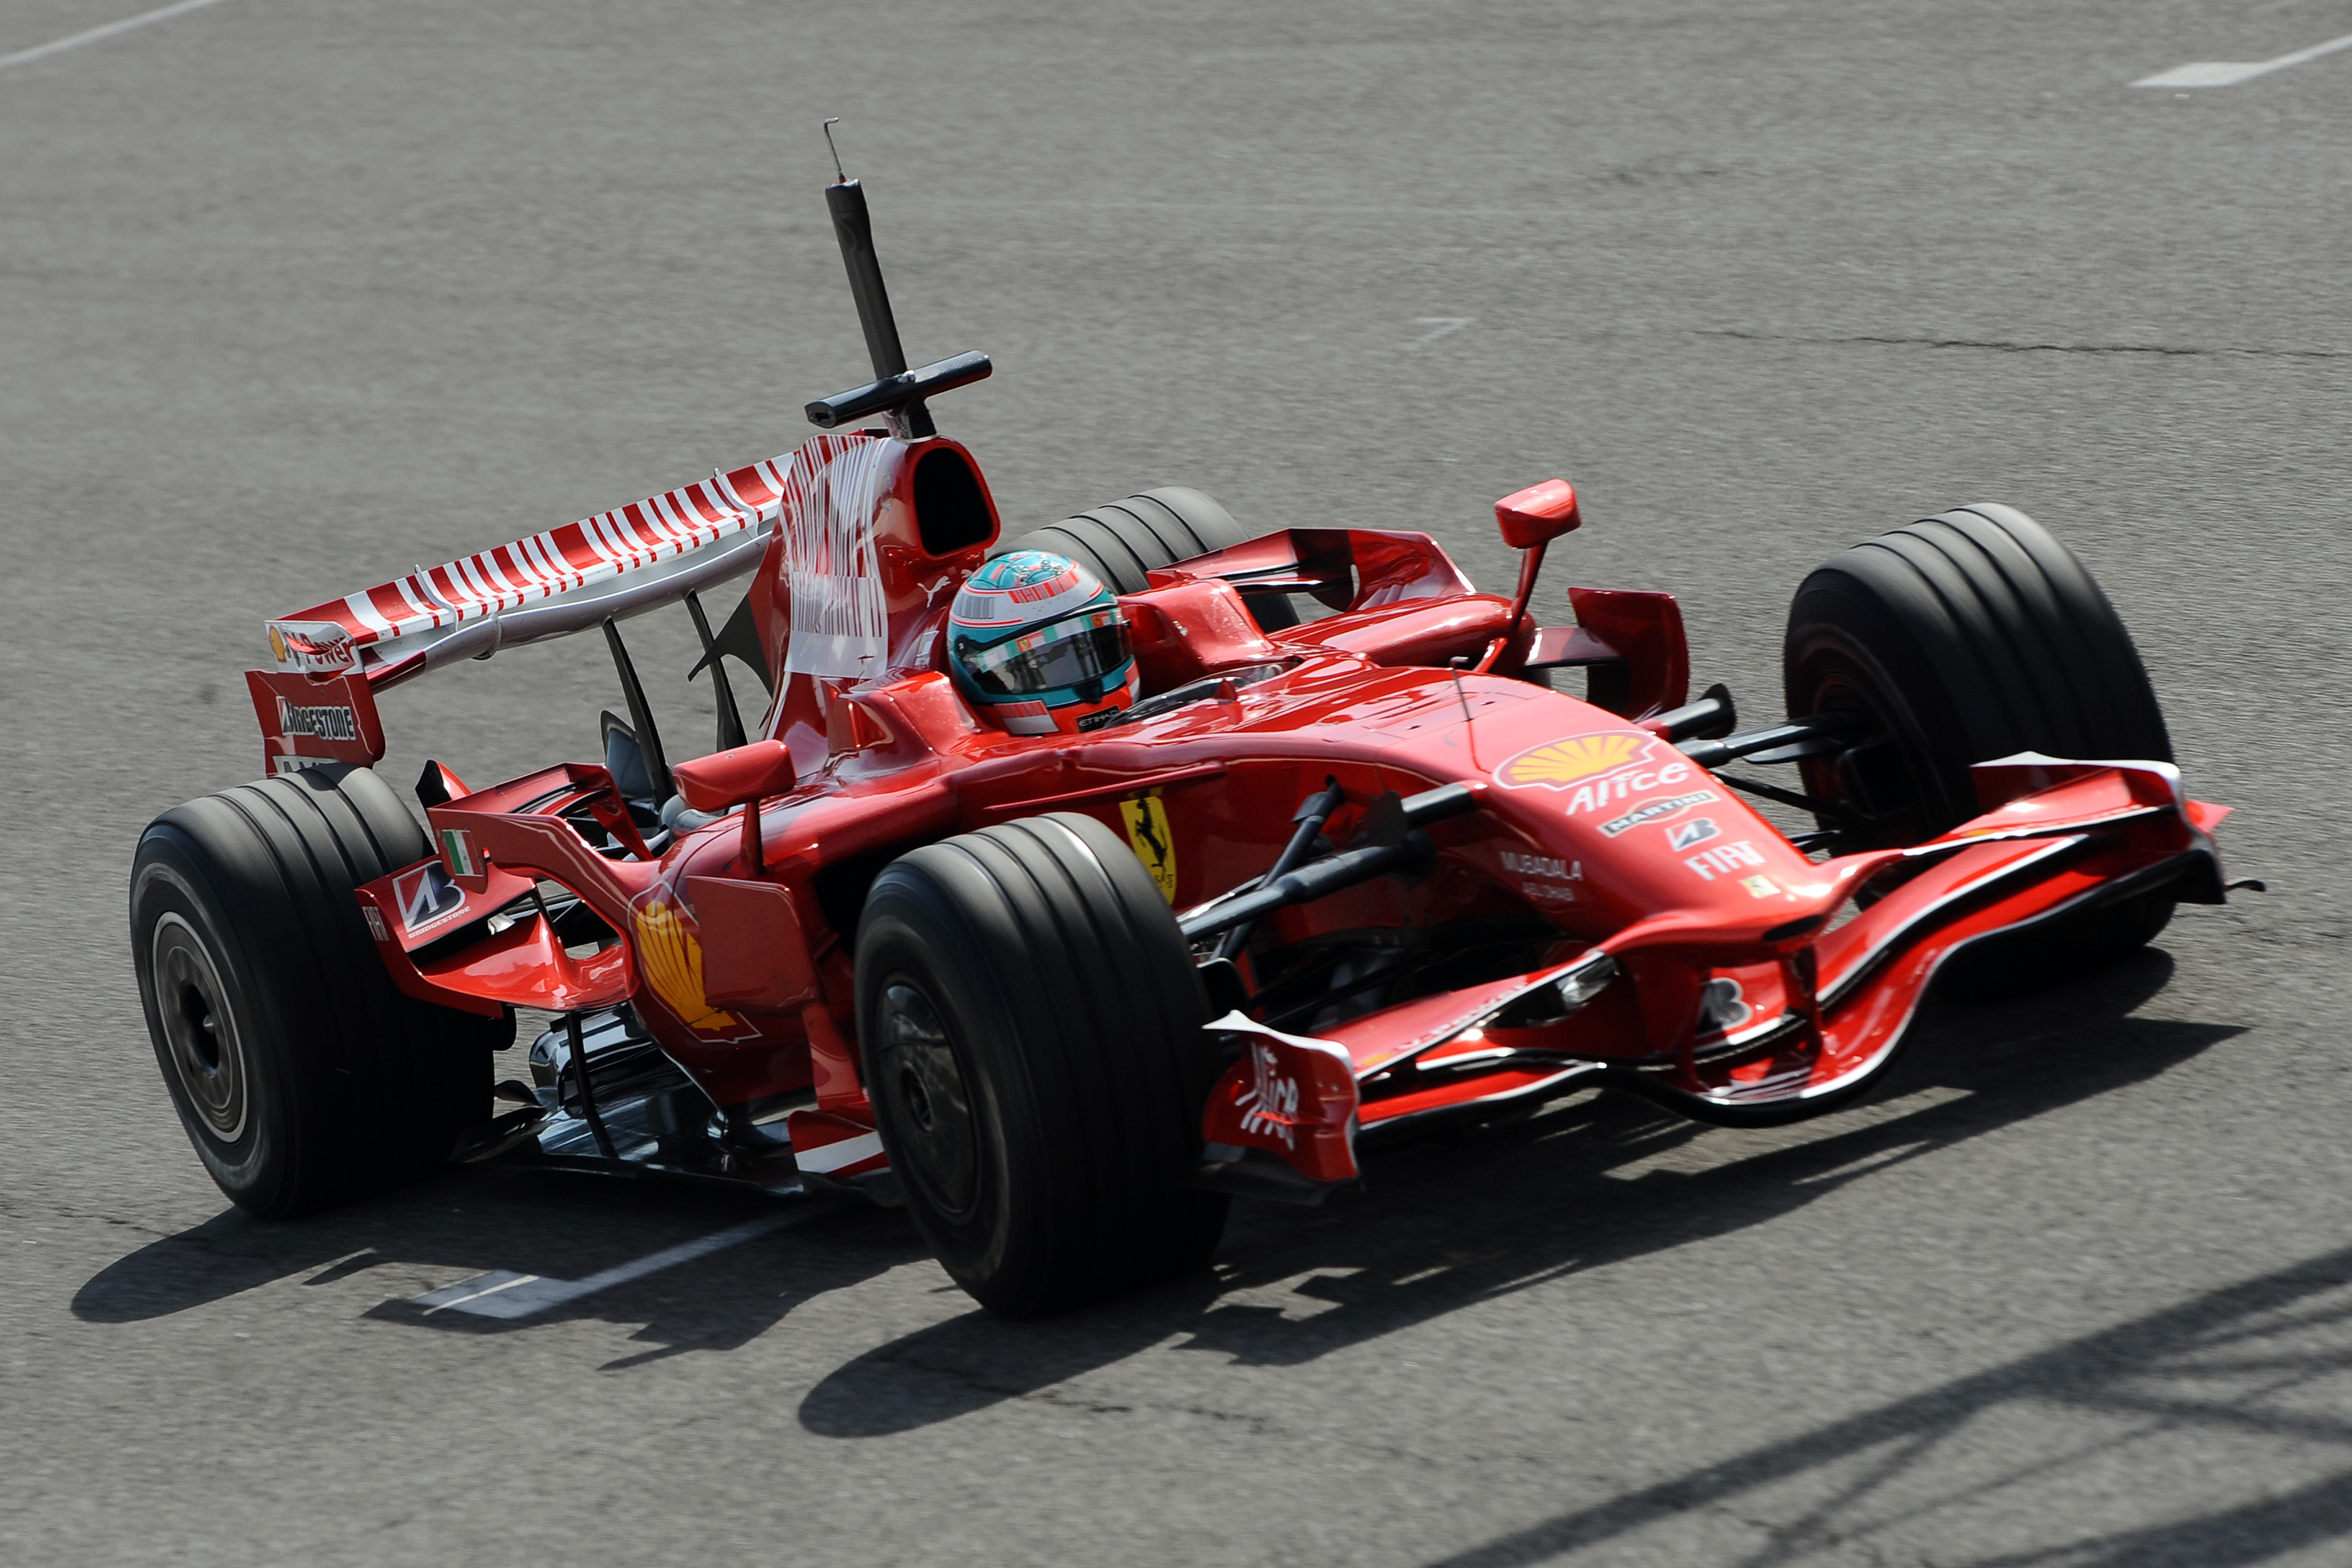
(1124, 542)
(1029, 1025)
(1965, 637)
(302, 1076)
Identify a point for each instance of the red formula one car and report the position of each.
(1327, 858)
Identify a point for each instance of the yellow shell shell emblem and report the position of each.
(1561, 763)
(671, 960)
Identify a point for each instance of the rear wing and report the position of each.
(615, 564)
(318, 704)
(619, 563)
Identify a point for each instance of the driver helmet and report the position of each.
(1038, 645)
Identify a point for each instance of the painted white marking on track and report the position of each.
(1439, 326)
(43, 51)
(2222, 73)
(503, 1293)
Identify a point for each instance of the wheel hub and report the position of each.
(939, 1144)
(199, 1031)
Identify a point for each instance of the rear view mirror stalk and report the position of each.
(1530, 519)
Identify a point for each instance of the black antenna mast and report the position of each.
(895, 391)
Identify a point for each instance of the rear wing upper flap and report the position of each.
(318, 706)
(567, 579)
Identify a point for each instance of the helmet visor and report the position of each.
(1064, 654)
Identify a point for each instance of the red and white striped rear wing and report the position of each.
(568, 579)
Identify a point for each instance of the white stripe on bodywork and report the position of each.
(424, 612)
(611, 542)
(364, 612)
(826, 1158)
(542, 561)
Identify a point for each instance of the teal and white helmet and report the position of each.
(1039, 645)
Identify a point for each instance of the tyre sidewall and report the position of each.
(256, 1169)
(1838, 638)
(357, 1087)
(1068, 995)
(988, 1243)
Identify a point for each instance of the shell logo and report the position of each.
(1559, 764)
(671, 961)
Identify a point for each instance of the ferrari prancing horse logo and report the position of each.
(1155, 846)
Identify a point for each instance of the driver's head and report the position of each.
(1037, 645)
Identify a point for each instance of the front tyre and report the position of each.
(1962, 638)
(301, 1075)
(1030, 1022)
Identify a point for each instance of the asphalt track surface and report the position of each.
(296, 293)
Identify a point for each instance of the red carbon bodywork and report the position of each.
(1748, 982)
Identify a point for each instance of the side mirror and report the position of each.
(1538, 515)
(1530, 519)
(732, 778)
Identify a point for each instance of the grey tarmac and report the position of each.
(295, 294)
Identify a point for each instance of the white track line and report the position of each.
(43, 51)
(503, 1293)
(2220, 73)
(1439, 326)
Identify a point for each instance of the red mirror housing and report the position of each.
(731, 777)
(1539, 514)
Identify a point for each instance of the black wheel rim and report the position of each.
(1879, 775)
(921, 1079)
(200, 1033)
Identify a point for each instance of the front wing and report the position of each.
(1724, 1023)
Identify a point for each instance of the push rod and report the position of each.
(1714, 753)
(1713, 714)
(1324, 877)
(1329, 875)
(1312, 815)
(1828, 810)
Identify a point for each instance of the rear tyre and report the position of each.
(1965, 637)
(1030, 1024)
(302, 1076)
(1123, 542)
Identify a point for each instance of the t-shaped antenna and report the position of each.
(894, 391)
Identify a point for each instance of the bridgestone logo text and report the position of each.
(322, 723)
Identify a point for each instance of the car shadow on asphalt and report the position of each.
(1437, 1226)
(555, 1225)
(1450, 1222)
(2254, 1363)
